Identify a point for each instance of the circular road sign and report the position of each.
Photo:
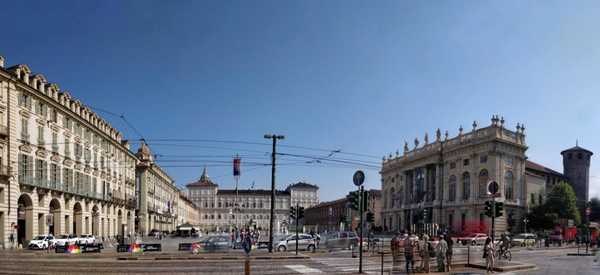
(358, 178)
(493, 187)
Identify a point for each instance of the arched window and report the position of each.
(452, 188)
(392, 195)
(483, 181)
(400, 192)
(508, 183)
(466, 185)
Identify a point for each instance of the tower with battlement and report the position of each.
(576, 165)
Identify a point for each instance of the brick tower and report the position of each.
(576, 167)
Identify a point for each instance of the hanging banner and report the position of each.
(236, 166)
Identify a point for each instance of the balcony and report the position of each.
(59, 187)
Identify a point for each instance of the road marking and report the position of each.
(303, 269)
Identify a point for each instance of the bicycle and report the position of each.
(503, 253)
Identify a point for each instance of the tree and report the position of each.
(595, 207)
(563, 202)
(540, 219)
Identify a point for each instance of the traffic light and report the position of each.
(370, 217)
(300, 212)
(488, 208)
(354, 200)
(293, 213)
(499, 209)
(365, 199)
(425, 213)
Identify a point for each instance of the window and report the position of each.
(25, 169)
(54, 176)
(24, 129)
(452, 165)
(465, 162)
(483, 159)
(483, 181)
(54, 142)
(532, 199)
(25, 101)
(452, 188)
(508, 182)
(392, 195)
(466, 186)
(67, 148)
(570, 156)
(40, 134)
(579, 156)
(508, 161)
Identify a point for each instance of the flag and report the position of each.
(236, 166)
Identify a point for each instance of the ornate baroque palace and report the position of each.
(65, 170)
(443, 184)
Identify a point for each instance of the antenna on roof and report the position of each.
(576, 142)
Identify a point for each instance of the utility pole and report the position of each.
(272, 218)
(360, 213)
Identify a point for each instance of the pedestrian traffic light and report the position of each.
(365, 200)
(354, 200)
(488, 208)
(300, 212)
(499, 209)
(370, 217)
(293, 213)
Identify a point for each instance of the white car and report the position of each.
(63, 240)
(42, 242)
(473, 239)
(87, 239)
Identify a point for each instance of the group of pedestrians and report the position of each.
(411, 246)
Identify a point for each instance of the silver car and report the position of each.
(341, 240)
(305, 242)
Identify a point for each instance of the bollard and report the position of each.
(469, 256)
(247, 267)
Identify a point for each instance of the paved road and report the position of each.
(549, 262)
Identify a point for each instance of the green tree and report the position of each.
(563, 202)
(595, 207)
(540, 219)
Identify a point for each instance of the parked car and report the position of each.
(524, 239)
(215, 244)
(42, 242)
(305, 242)
(86, 239)
(340, 240)
(473, 239)
(63, 240)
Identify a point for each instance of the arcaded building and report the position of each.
(63, 168)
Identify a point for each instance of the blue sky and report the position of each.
(358, 76)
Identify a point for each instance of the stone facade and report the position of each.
(442, 184)
(63, 169)
(157, 193)
(225, 209)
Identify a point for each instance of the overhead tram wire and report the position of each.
(329, 159)
(338, 151)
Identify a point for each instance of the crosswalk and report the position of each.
(348, 265)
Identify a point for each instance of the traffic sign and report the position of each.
(358, 178)
(493, 187)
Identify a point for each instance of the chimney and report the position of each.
(1, 61)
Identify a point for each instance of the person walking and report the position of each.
(450, 244)
(395, 247)
(488, 254)
(247, 244)
(442, 251)
(11, 239)
(425, 256)
(409, 249)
